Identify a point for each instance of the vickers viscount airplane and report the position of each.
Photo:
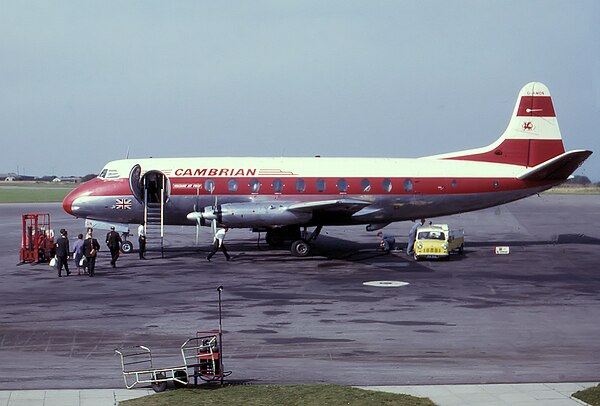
(283, 196)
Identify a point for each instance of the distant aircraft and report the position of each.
(284, 196)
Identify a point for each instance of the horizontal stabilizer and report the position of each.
(558, 168)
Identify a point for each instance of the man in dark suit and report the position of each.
(113, 241)
(61, 248)
(90, 250)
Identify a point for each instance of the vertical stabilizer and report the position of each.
(532, 135)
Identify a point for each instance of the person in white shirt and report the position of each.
(142, 240)
(219, 242)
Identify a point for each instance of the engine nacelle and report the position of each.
(254, 215)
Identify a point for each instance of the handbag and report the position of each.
(53, 263)
(93, 251)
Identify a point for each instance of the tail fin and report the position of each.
(532, 135)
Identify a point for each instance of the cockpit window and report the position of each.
(109, 174)
(112, 174)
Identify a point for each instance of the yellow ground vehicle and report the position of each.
(437, 241)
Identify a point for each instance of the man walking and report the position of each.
(61, 248)
(113, 241)
(90, 250)
(219, 242)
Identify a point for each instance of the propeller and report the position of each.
(212, 214)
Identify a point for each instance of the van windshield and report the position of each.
(431, 235)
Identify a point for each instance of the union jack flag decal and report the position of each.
(122, 204)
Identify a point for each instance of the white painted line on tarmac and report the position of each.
(386, 284)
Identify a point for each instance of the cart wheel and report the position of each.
(182, 376)
(159, 386)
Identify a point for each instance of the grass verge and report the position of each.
(574, 190)
(263, 395)
(590, 396)
(29, 195)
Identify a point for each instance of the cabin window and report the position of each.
(408, 185)
(277, 185)
(496, 184)
(342, 185)
(103, 173)
(300, 185)
(232, 185)
(454, 183)
(321, 185)
(254, 185)
(365, 185)
(387, 185)
(209, 185)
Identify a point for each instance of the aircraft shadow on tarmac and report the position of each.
(331, 252)
(328, 252)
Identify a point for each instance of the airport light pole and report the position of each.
(220, 289)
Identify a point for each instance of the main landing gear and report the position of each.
(301, 243)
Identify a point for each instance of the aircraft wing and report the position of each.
(559, 168)
(349, 206)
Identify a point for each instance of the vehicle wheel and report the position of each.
(159, 386)
(182, 376)
(127, 247)
(300, 248)
(461, 249)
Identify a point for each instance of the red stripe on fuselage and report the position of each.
(523, 152)
(420, 186)
(536, 106)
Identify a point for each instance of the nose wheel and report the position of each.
(127, 247)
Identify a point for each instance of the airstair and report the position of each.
(154, 219)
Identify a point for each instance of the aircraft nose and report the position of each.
(67, 202)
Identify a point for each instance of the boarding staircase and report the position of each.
(154, 229)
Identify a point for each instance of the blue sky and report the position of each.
(84, 82)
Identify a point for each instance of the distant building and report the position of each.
(56, 180)
(9, 177)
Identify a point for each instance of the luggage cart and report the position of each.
(202, 355)
(37, 243)
(136, 365)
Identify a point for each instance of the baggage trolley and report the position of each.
(136, 365)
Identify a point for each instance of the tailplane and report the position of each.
(531, 138)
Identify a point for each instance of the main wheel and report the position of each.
(127, 247)
(300, 248)
(182, 376)
(159, 386)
